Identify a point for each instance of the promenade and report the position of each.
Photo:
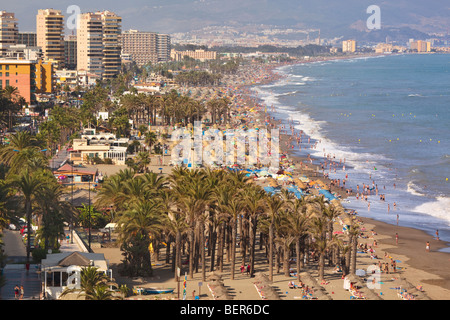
(15, 271)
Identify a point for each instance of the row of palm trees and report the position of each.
(173, 108)
(203, 212)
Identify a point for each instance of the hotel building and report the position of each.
(90, 43)
(111, 44)
(421, 46)
(98, 44)
(28, 76)
(9, 31)
(349, 46)
(28, 39)
(144, 47)
(50, 35)
(201, 55)
(70, 52)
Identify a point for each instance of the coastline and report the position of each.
(412, 247)
(433, 273)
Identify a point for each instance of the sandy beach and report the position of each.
(425, 275)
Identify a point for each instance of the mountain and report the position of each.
(333, 18)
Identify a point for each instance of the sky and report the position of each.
(169, 16)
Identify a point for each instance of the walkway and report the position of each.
(15, 272)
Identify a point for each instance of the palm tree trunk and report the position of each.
(191, 253)
(286, 260)
(253, 222)
(177, 253)
(28, 213)
(271, 252)
(353, 254)
(298, 254)
(202, 248)
(233, 247)
(321, 265)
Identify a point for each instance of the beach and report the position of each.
(425, 275)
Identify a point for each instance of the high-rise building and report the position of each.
(144, 47)
(90, 43)
(349, 46)
(421, 46)
(28, 39)
(163, 47)
(50, 35)
(112, 29)
(98, 43)
(28, 76)
(9, 31)
(70, 52)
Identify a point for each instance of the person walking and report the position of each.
(16, 291)
(22, 292)
(428, 246)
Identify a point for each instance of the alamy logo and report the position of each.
(74, 277)
(374, 21)
(233, 146)
(73, 19)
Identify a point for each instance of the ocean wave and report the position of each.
(415, 95)
(314, 129)
(437, 208)
(290, 93)
(414, 189)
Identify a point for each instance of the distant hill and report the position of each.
(332, 17)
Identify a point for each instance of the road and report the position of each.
(15, 272)
(59, 158)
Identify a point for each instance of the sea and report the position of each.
(386, 120)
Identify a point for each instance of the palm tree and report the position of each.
(297, 222)
(23, 147)
(322, 242)
(94, 285)
(234, 208)
(150, 139)
(175, 224)
(353, 233)
(51, 212)
(12, 94)
(273, 205)
(138, 227)
(28, 185)
(254, 197)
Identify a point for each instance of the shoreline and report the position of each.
(438, 262)
(432, 273)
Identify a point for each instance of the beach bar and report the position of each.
(79, 176)
(56, 270)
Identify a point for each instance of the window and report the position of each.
(7, 67)
(7, 83)
(7, 74)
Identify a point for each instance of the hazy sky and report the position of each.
(168, 16)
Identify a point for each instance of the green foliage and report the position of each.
(96, 220)
(197, 78)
